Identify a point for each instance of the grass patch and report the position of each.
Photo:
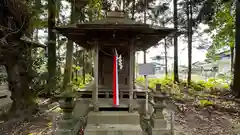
(200, 92)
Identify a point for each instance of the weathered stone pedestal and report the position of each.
(67, 124)
(68, 127)
(159, 124)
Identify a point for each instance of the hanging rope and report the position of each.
(114, 50)
(105, 52)
(120, 62)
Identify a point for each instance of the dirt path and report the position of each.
(190, 119)
(219, 119)
(38, 124)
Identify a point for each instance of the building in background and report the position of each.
(159, 61)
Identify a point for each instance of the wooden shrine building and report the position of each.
(114, 33)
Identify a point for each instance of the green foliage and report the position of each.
(167, 84)
(211, 84)
(78, 82)
(223, 23)
(205, 103)
(95, 7)
(76, 67)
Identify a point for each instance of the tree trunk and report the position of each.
(25, 71)
(166, 61)
(14, 86)
(236, 79)
(232, 59)
(176, 78)
(69, 59)
(83, 67)
(52, 59)
(133, 9)
(18, 83)
(189, 16)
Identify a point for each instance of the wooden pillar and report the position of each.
(134, 66)
(131, 55)
(95, 92)
(145, 61)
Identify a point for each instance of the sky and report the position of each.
(197, 55)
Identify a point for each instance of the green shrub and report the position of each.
(78, 81)
(167, 84)
(211, 84)
(205, 103)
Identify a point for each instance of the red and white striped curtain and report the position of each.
(115, 80)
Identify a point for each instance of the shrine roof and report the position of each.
(115, 29)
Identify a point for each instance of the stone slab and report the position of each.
(63, 132)
(68, 131)
(160, 123)
(113, 117)
(66, 124)
(81, 107)
(108, 103)
(161, 131)
(236, 130)
(113, 129)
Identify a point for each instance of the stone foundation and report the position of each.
(113, 123)
(113, 117)
(113, 129)
(68, 127)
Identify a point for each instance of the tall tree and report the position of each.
(14, 53)
(52, 58)
(160, 15)
(189, 18)
(175, 19)
(166, 57)
(69, 54)
(223, 23)
(236, 79)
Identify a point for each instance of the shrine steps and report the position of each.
(113, 129)
(113, 117)
(113, 123)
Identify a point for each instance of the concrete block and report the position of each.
(113, 117)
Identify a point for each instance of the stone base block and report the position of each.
(63, 132)
(161, 131)
(236, 130)
(113, 117)
(66, 124)
(159, 123)
(81, 107)
(113, 129)
(71, 129)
